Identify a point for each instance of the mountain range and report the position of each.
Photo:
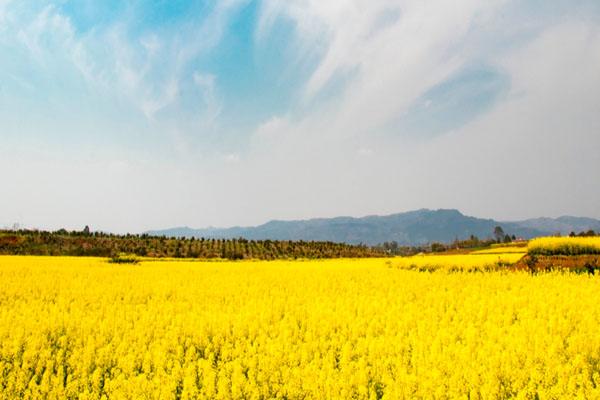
(408, 228)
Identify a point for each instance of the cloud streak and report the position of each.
(146, 70)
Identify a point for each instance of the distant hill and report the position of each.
(409, 228)
(563, 225)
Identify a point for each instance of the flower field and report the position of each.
(365, 329)
(568, 246)
(477, 261)
(502, 250)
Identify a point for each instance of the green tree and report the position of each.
(498, 234)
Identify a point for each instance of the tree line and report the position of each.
(589, 233)
(99, 244)
(472, 242)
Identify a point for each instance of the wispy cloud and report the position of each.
(212, 104)
(395, 59)
(144, 69)
(452, 57)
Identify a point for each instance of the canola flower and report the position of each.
(77, 328)
(458, 262)
(568, 246)
(502, 250)
(520, 243)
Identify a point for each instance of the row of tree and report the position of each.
(473, 242)
(100, 244)
(85, 243)
(589, 233)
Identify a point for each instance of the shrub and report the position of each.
(124, 259)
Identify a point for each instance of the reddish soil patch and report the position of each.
(582, 264)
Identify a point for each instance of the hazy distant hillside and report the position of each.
(563, 225)
(409, 228)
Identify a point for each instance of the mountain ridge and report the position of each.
(415, 227)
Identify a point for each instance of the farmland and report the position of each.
(566, 246)
(453, 263)
(98, 244)
(343, 328)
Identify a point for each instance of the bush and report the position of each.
(124, 259)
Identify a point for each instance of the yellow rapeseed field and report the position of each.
(80, 328)
(502, 250)
(565, 245)
(458, 262)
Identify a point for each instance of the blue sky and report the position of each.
(137, 115)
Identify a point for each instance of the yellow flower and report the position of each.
(81, 328)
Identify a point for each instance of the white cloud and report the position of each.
(270, 11)
(167, 96)
(393, 65)
(521, 159)
(272, 129)
(49, 27)
(535, 152)
(146, 71)
(212, 104)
